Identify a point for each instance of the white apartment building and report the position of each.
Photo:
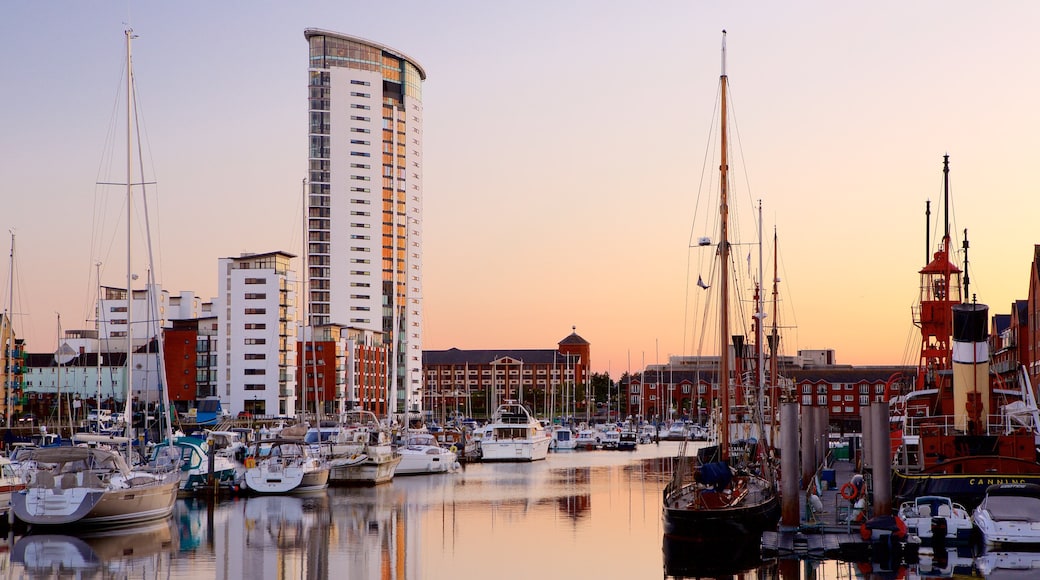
(364, 228)
(112, 315)
(256, 334)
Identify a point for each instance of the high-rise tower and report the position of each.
(364, 206)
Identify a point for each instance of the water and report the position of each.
(592, 514)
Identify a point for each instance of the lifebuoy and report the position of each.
(849, 491)
(453, 449)
(250, 463)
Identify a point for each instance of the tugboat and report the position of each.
(960, 428)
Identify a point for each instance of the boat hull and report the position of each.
(95, 507)
(757, 512)
(263, 481)
(515, 450)
(968, 487)
(374, 470)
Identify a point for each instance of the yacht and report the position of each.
(513, 434)
(420, 454)
(1009, 514)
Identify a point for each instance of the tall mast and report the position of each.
(724, 265)
(129, 217)
(97, 362)
(774, 346)
(8, 338)
(760, 316)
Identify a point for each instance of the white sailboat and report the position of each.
(95, 484)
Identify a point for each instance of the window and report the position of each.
(362, 83)
(360, 154)
(255, 326)
(255, 356)
(248, 372)
(821, 400)
(359, 142)
(256, 341)
(255, 296)
(362, 95)
(254, 387)
(255, 311)
(360, 106)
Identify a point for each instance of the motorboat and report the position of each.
(421, 454)
(611, 438)
(282, 466)
(936, 519)
(588, 439)
(628, 440)
(94, 486)
(562, 438)
(195, 465)
(1009, 514)
(513, 434)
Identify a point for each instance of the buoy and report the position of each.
(849, 491)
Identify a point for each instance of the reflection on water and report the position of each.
(142, 551)
(590, 514)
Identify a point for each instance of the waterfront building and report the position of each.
(473, 382)
(77, 377)
(256, 334)
(688, 387)
(342, 368)
(12, 355)
(191, 360)
(365, 198)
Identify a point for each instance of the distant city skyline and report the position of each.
(562, 153)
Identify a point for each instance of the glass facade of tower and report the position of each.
(364, 204)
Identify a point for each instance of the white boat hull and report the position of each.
(275, 480)
(515, 450)
(425, 459)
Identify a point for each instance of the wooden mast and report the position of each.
(724, 266)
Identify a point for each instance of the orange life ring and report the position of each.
(250, 463)
(849, 491)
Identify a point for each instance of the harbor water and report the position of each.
(579, 514)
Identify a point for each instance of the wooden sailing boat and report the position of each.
(95, 484)
(716, 495)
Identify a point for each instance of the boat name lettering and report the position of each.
(991, 481)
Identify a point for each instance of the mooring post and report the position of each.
(789, 516)
(882, 459)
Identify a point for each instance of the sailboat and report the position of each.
(94, 483)
(714, 493)
(961, 427)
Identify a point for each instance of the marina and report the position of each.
(588, 514)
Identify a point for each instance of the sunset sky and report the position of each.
(564, 145)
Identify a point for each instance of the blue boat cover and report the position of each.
(716, 474)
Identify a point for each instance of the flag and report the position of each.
(700, 282)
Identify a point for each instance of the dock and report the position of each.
(828, 533)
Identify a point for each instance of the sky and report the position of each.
(563, 151)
